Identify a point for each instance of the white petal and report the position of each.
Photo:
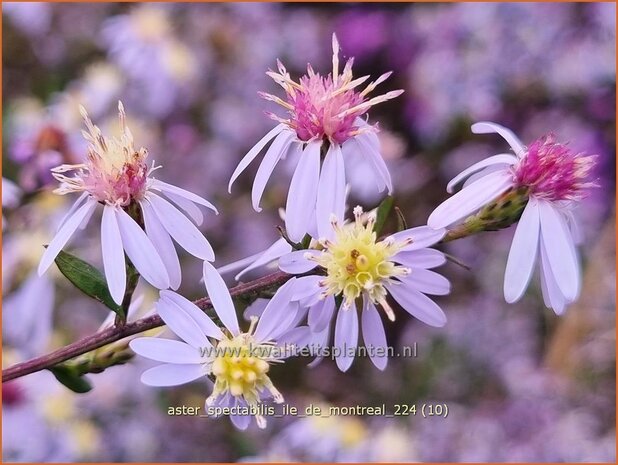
(552, 296)
(423, 258)
(346, 336)
(371, 152)
(296, 262)
(188, 207)
(320, 314)
(141, 251)
(503, 159)
(80, 200)
(208, 327)
(181, 229)
(427, 282)
(557, 242)
(306, 286)
(113, 255)
(486, 127)
(374, 335)
(418, 304)
(278, 313)
(522, 256)
(254, 152)
(277, 249)
(163, 243)
(422, 237)
(165, 350)
(179, 192)
(470, 199)
(277, 150)
(351, 148)
(64, 235)
(303, 192)
(576, 232)
(172, 375)
(331, 191)
(182, 325)
(220, 297)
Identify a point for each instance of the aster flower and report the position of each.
(357, 268)
(117, 176)
(239, 362)
(324, 121)
(552, 179)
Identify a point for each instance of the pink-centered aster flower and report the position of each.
(554, 178)
(238, 362)
(357, 269)
(117, 175)
(324, 120)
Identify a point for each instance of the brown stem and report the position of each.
(116, 333)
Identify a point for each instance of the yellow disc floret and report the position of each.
(356, 262)
(241, 366)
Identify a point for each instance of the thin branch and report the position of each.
(116, 333)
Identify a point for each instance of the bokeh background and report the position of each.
(521, 383)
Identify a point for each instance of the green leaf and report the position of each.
(383, 211)
(70, 379)
(87, 279)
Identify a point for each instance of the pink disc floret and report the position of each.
(553, 171)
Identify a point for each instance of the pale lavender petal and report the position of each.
(277, 249)
(297, 263)
(346, 336)
(182, 324)
(470, 199)
(307, 286)
(427, 282)
(172, 374)
(350, 149)
(163, 243)
(254, 152)
(278, 313)
(374, 335)
(176, 191)
(165, 350)
(277, 150)
(298, 337)
(141, 251)
(241, 422)
(113, 255)
(418, 304)
(523, 253)
(557, 242)
(208, 327)
(319, 340)
(371, 153)
(220, 297)
(423, 258)
(576, 232)
(320, 314)
(422, 237)
(331, 191)
(503, 160)
(181, 229)
(486, 127)
(552, 296)
(188, 207)
(303, 192)
(63, 236)
(78, 203)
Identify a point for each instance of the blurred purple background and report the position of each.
(521, 384)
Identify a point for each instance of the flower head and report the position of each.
(552, 171)
(326, 106)
(324, 131)
(357, 268)
(137, 219)
(115, 173)
(238, 362)
(548, 178)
